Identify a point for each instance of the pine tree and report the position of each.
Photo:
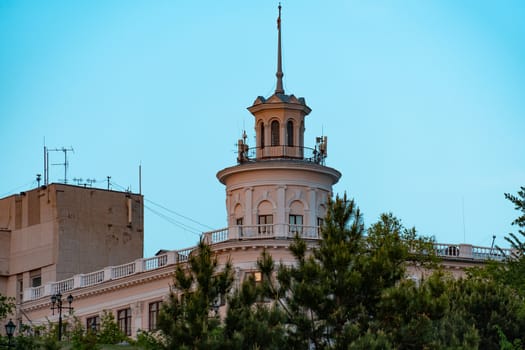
(331, 296)
(252, 322)
(188, 318)
(110, 332)
(423, 316)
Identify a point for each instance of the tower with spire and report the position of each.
(279, 188)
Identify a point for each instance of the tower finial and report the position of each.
(279, 88)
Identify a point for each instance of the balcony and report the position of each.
(311, 155)
(108, 274)
(253, 233)
(257, 232)
(471, 252)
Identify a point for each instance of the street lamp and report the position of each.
(56, 304)
(10, 330)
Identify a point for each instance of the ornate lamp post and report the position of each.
(10, 330)
(57, 304)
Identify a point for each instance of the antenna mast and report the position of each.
(46, 165)
(279, 86)
(46, 162)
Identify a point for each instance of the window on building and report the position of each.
(275, 133)
(93, 323)
(35, 277)
(124, 321)
(154, 309)
(320, 222)
(265, 223)
(20, 288)
(255, 275)
(36, 281)
(296, 224)
(262, 135)
(239, 223)
(289, 132)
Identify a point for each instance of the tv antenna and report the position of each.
(46, 162)
(85, 183)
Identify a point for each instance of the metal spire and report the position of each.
(279, 88)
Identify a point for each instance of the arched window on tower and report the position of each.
(265, 217)
(262, 135)
(301, 135)
(275, 133)
(289, 133)
(295, 219)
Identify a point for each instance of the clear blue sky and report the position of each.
(422, 101)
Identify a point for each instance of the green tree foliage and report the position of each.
(187, 319)
(150, 340)
(82, 338)
(424, 316)
(494, 308)
(513, 270)
(510, 272)
(110, 332)
(39, 337)
(7, 305)
(331, 297)
(519, 205)
(252, 323)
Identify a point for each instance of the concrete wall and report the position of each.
(5, 248)
(97, 228)
(54, 232)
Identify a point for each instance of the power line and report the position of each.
(182, 216)
(174, 222)
(168, 218)
(29, 184)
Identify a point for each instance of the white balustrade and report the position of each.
(62, 286)
(490, 253)
(92, 278)
(155, 262)
(241, 232)
(34, 293)
(123, 270)
(184, 255)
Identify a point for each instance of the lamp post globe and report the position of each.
(10, 330)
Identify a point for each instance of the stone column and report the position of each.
(281, 212)
(248, 206)
(230, 215)
(136, 318)
(312, 204)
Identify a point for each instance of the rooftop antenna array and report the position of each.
(85, 183)
(46, 162)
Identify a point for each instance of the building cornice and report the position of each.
(281, 164)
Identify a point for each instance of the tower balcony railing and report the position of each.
(307, 154)
(268, 231)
